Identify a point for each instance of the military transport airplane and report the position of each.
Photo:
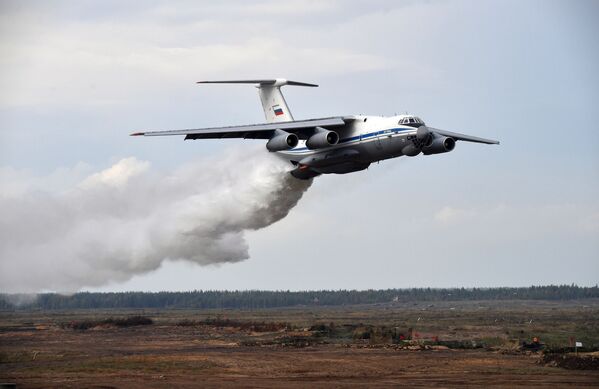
(339, 144)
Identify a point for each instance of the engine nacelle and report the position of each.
(282, 141)
(322, 138)
(440, 144)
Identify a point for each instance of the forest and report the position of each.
(255, 299)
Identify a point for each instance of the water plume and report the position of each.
(128, 219)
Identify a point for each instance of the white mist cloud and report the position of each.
(450, 214)
(128, 219)
(117, 175)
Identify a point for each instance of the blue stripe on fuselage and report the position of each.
(362, 136)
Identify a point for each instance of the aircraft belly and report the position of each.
(342, 168)
(384, 147)
(348, 158)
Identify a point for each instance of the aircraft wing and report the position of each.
(467, 138)
(302, 128)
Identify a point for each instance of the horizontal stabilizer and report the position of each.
(271, 82)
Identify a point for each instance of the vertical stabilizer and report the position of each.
(273, 103)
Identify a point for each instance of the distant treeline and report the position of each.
(272, 299)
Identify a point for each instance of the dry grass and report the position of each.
(342, 346)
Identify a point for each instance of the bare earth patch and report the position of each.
(37, 352)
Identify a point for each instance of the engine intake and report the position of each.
(322, 138)
(281, 141)
(440, 144)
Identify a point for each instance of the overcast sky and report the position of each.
(77, 77)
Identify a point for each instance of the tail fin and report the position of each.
(273, 103)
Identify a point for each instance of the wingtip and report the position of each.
(137, 134)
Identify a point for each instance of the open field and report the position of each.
(462, 344)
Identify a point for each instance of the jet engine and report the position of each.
(281, 141)
(440, 144)
(424, 137)
(322, 138)
(428, 142)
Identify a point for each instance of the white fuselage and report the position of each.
(373, 137)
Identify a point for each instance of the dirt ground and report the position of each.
(36, 351)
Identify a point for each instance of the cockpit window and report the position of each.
(410, 119)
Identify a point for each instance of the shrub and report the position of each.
(110, 322)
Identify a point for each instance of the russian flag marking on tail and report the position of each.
(278, 110)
